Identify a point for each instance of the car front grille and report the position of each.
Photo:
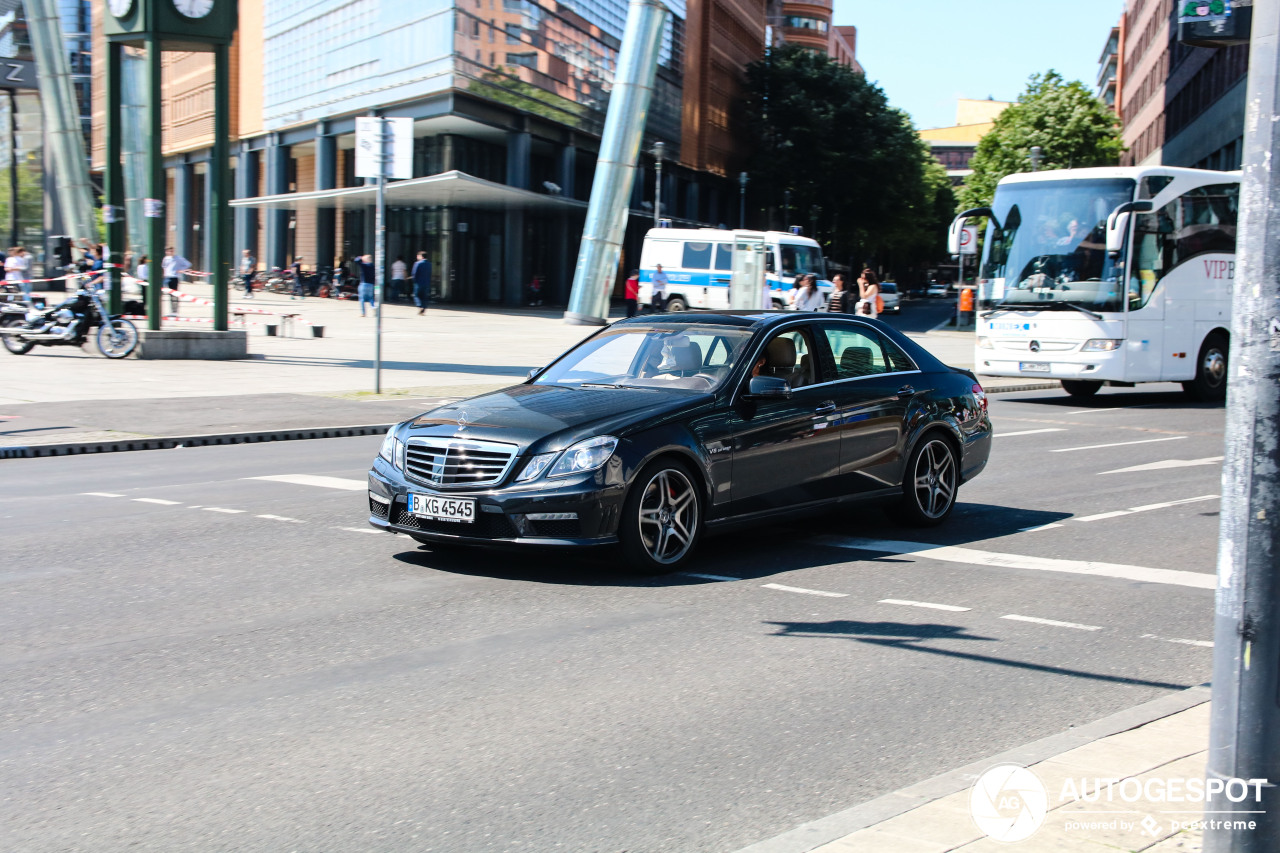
(488, 525)
(451, 462)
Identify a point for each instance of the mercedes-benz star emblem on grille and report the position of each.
(1035, 346)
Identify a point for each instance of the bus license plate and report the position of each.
(443, 509)
(1034, 367)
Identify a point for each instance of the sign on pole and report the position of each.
(969, 240)
(384, 147)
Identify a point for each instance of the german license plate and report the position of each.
(443, 509)
(1034, 366)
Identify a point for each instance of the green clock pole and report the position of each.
(220, 210)
(154, 212)
(114, 177)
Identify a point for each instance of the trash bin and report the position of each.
(317, 331)
(271, 329)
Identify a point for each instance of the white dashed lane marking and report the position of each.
(805, 591)
(1164, 505)
(281, 518)
(316, 480)
(1053, 623)
(102, 494)
(160, 501)
(1204, 644)
(220, 509)
(926, 604)
(1028, 432)
(1038, 527)
(360, 530)
(1117, 444)
(1166, 463)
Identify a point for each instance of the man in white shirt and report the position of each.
(659, 282)
(173, 265)
(16, 268)
(399, 272)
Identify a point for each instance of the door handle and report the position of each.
(905, 390)
(825, 409)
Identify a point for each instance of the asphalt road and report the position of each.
(194, 660)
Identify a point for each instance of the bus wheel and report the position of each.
(1210, 384)
(676, 304)
(778, 305)
(1080, 389)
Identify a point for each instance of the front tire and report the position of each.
(1210, 384)
(930, 482)
(1080, 389)
(117, 338)
(661, 518)
(14, 345)
(676, 304)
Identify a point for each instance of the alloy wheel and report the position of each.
(935, 479)
(668, 516)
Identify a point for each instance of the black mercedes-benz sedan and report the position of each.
(657, 429)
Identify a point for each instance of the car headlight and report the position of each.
(1101, 345)
(392, 449)
(536, 465)
(984, 343)
(585, 456)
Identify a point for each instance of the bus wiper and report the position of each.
(994, 308)
(1078, 308)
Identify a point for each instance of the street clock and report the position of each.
(179, 24)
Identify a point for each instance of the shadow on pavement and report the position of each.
(1150, 398)
(426, 366)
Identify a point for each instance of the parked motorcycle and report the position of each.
(69, 324)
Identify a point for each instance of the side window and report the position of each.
(724, 256)
(1208, 220)
(1155, 252)
(697, 256)
(857, 353)
(789, 356)
(898, 360)
(1199, 221)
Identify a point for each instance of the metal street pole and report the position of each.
(153, 207)
(742, 200)
(113, 178)
(219, 229)
(1244, 737)
(13, 168)
(659, 151)
(379, 242)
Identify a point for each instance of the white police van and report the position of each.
(700, 266)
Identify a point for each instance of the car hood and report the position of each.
(553, 417)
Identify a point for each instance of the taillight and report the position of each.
(979, 396)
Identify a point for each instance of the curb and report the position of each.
(809, 836)
(1030, 386)
(170, 442)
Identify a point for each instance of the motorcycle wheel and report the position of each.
(117, 338)
(14, 345)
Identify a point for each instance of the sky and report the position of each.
(925, 54)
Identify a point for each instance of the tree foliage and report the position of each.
(1072, 127)
(824, 133)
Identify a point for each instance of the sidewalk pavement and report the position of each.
(1164, 740)
(64, 399)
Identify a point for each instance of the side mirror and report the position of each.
(957, 225)
(768, 387)
(1118, 224)
(533, 373)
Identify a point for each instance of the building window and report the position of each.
(800, 22)
(513, 33)
(528, 60)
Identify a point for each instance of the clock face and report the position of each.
(191, 8)
(120, 8)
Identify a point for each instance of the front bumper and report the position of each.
(1095, 366)
(503, 512)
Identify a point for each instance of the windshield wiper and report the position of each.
(600, 385)
(994, 308)
(1077, 307)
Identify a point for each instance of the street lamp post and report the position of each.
(786, 209)
(1037, 154)
(742, 199)
(659, 153)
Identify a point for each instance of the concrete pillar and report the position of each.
(448, 153)
(513, 281)
(566, 169)
(519, 148)
(184, 176)
(448, 251)
(277, 221)
(326, 179)
(247, 218)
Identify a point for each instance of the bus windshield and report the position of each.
(797, 259)
(1049, 249)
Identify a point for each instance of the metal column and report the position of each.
(615, 170)
(219, 226)
(113, 174)
(154, 207)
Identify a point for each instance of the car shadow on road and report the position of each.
(1148, 398)
(769, 549)
(521, 371)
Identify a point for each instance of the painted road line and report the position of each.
(281, 518)
(929, 605)
(1029, 432)
(221, 509)
(1117, 444)
(359, 530)
(975, 557)
(316, 480)
(1038, 527)
(709, 577)
(1166, 463)
(1054, 623)
(1164, 505)
(1204, 644)
(805, 591)
(102, 494)
(160, 501)
(1091, 411)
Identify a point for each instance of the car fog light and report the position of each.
(552, 516)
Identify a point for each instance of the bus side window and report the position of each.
(724, 256)
(768, 259)
(697, 256)
(1156, 252)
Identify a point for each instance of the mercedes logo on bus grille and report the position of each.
(1035, 346)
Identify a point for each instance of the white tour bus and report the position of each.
(1108, 275)
(700, 264)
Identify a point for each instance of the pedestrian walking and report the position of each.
(247, 268)
(173, 266)
(366, 284)
(808, 296)
(399, 271)
(299, 284)
(870, 304)
(659, 296)
(842, 301)
(632, 292)
(422, 282)
(16, 268)
(144, 268)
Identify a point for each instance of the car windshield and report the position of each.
(690, 357)
(1049, 248)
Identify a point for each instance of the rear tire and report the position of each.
(661, 518)
(676, 304)
(14, 345)
(1210, 384)
(930, 482)
(1080, 389)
